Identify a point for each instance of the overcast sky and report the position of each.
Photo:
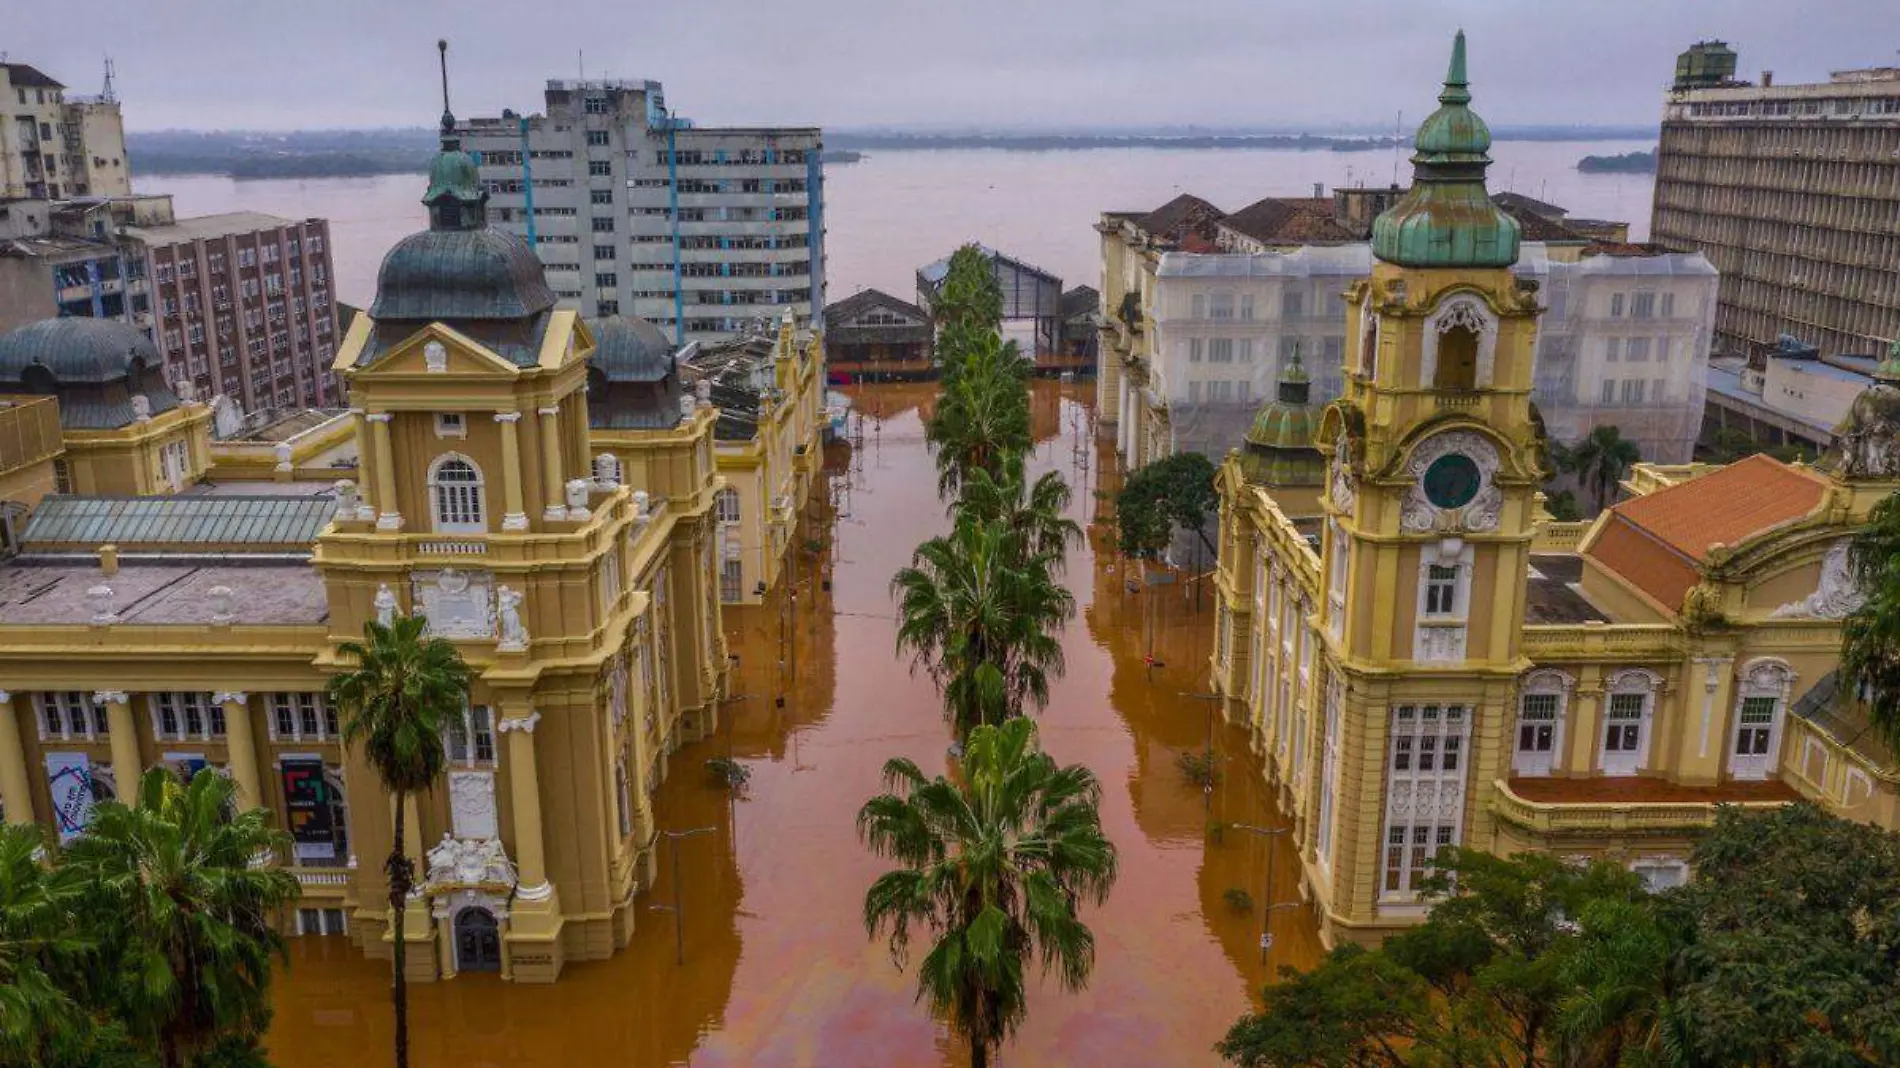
(282, 64)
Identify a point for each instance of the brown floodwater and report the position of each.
(779, 970)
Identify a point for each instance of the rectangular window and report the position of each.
(186, 716)
(597, 138)
(1243, 349)
(1608, 394)
(1536, 722)
(603, 252)
(1197, 306)
(1246, 306)
(1194, 349)
(606, 280)
(1757, 720)
(732, 581)
(1643, 306)
(1292, 304)
(1624, 732)
(1668, 305)
(302, 717)
(1638, 350)
(70, 715)
(600, 168)
(1426, 758)
(601, 196)
(1616, 305)
(603, 224)
(1633, 390)
(1220, 306)
(470, 737)
(1441, 591)
(1220, 350)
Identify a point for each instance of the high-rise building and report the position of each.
(53, 145)
(1790, 191)
(241, 306)
(633, 210)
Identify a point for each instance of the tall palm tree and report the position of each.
(173, 885)
(995, 864)
(41, 1022)
(395, 700)
(982, 621)
(1034, 515)
(1601, 460)
(970, 294)
(982, 415)
(1624, 974)
(1870, 636)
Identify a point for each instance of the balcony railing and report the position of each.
(1607, 817)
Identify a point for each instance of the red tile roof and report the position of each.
(1657, 542)
(1288, 220)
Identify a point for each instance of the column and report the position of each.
(15, 790)
(365, 459)
(525, 793)
(127, 765)
(241, 744)
(384, 463)
(516, 517)
(1581, 735)
(551, 463)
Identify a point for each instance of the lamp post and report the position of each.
(1207, 788)
(1268, 906)
(678, 907)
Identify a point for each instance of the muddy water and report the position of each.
(778, 968)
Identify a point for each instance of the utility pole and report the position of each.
(1267, 905)
(1207, 788)
(678, 907)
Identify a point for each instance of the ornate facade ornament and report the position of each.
(1344, 489)
(577, 491)
(607, 470)
(231, 697)
(514, 634)
(457, 863)
(525, 724)
(472, 804)
(142, 408)
(385, 605)
(347, 500)
(99, 602)
(1835, 597)
(1461, 311)
(435, 357)
(223, 604)
(457, 604)
(1481, 508)
(284, 457)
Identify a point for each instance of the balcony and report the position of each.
(1632, 805)
(1626, 641)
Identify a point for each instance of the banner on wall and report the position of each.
(70, 776)
(312, 816)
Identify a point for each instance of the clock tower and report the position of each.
(1434, 463)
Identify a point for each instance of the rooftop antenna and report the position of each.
(580, 58)
(442, 54)
(107, 94)
(1398, 138)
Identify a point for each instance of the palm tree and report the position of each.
(981, 621)
(970, 294)
(1870, 636)
(982, 415)
(396, 699)
(1034, 516)
(1601, 460)
(173, 885)
(39, 953)
(994, 864)
(1624, 974)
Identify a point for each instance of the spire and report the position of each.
(1457, 89)
(1295, 384)
(456, 198)
(448, 117)
(1447, 219)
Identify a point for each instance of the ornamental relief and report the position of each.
(1484, 510)
(1835, 597)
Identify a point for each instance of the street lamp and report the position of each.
(678, 907)
(1207, 788)
(1267, 903)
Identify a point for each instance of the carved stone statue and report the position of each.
(642, 504)
(347, 500)
(435, 357)
(223, 603)
(142, 408)
(687, 405)
(702, 390)
(514, 634)
(469, 862)
(607, 470)
(282, 452)
(577, 490)
(187, 391)
(385, 605)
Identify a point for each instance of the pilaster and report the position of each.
(15, 788)
(241, 744)
(127, 765)
(533, 941)
(1582, 733)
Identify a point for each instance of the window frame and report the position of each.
(443, 497)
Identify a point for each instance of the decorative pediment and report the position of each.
(1454, 484)
(438, 349)
(1835, 596)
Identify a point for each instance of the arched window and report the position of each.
(1761, 703)
(1457, 359)
(1629, 708)
(726, 505)
(455, 494)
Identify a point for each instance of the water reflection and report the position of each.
(778, 968)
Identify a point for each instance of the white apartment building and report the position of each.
(1624, 342)
(702, 231)
(54, 146)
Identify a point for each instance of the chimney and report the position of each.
(1767, 79)
(108, 560)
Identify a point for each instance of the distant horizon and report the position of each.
(1502, 131)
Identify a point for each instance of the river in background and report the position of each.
(895, 211)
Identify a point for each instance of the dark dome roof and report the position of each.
(445, 275)
(76, 349)
(628, 348)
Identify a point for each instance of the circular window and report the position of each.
(1452, 480)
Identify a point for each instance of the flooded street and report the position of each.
(778, 968)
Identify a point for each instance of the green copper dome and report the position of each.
(1279, 449)
(1447, 218)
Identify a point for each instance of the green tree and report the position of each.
(1156, 498)
(396, 696)
(1870, 636)
(1357, 1009)
(995, 864)
(982, 416)
(1562, 507)
(1034, 515)
(970, 296)
(981, 621)
(184, 912)
(43, 1021)
(1601, 461)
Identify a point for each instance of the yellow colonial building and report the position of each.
(560, 532)
(1426, 659)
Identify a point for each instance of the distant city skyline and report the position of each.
(993, 64)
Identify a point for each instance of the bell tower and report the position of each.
(1428, 515)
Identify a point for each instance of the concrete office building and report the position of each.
(1789, 190)
(633, 210)
(53, 145)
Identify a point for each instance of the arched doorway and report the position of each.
(477, 941)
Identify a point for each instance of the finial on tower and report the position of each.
(442, 56)
(1457, 88)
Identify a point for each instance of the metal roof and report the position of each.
(258, 522)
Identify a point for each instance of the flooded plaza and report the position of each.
(778, 969)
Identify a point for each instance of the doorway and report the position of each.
(477, 941)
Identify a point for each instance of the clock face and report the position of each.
(1452, 480)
